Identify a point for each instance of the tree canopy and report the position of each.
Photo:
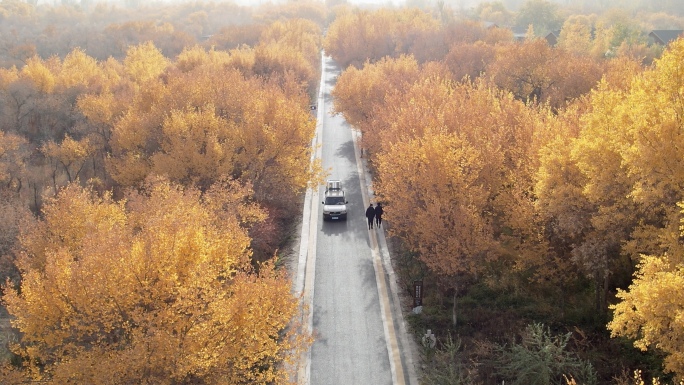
(153, 289)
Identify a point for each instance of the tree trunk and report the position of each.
(453, 309)
(35, 197)
(604, 300)
(597, 292)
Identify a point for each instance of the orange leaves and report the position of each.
(71, 154)
(289, 51)
(39, 74)
(433, 190)
(534, 71)
(210, 122)
(651, 311)
(277, 60)
(13, 154)
(355, 37)
(158, 288)
(144, 62)
(359, 94)
(80, 69)
(194, 149)
(455, 165)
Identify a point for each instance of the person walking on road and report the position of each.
(370, 214)
(378, 214)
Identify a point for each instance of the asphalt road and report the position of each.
(342, 271)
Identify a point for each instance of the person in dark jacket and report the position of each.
(378, 214)
(370, 214)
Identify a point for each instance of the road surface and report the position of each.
(344, 271)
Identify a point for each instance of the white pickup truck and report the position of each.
(335, 203)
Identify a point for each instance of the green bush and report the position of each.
(541, 359)
(444, 365)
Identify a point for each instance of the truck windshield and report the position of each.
(334, 200)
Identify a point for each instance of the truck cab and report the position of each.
(335, 203)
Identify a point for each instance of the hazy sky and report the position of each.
(512, 5)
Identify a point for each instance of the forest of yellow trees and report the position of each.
(148, 168)
(540, 175)
(143, 199)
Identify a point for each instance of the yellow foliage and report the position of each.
(358, 94)
(198, 147)
(144, 62)
(12, 156)
(277, 59)
(222, 124)
(8, 76)
(69, 150)
(654, 110)
(456, 162)
(300, 35)
(98, 108)
(39, 74)
(651, 311)
(157, 289)
(575, 36)
(79, 69)
(650, 146)
(355, 37)
(196, 56)
(243, 59)
(432, 188)
(70, 153)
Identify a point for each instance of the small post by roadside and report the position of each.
(417, 297)
(417, 293)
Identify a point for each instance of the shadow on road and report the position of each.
(346, 151)
(335, 228)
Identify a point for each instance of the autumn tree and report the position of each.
(458, 239)
(300, 35)
(359, 93)
(204, 120)
(576, 35)
(14, 154)
(233, 36)
(134, 33)
(582, 187)
(70, 155)
(629, 175)
(465, 31)
(541, 14)
(455, 175)
(155, 289)
(350, 39)
(652, 153)
(469, 61)
(355, 37)
(290, 50)
(420, 35)
(40, 106)
(534, 71)
(144, 62)
(649, 312)
(493, 11)
(243, 128)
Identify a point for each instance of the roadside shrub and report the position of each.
(445, 365)
(541, 359)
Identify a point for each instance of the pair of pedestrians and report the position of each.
(374, 215)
